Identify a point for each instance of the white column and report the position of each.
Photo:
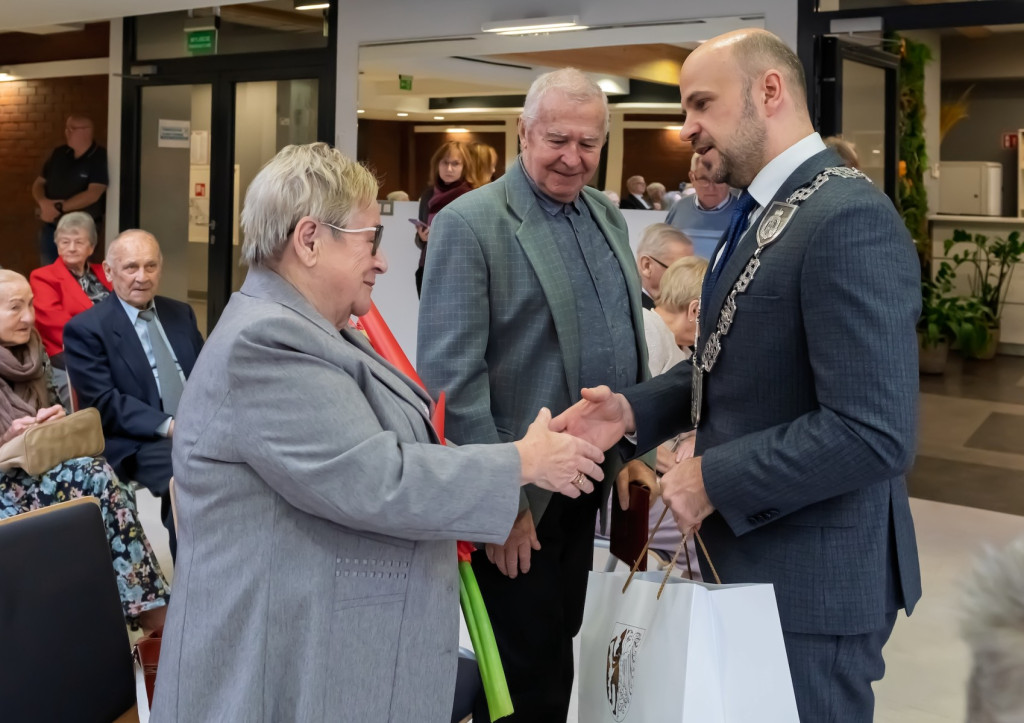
(113, 211)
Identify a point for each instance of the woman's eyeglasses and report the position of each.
(378, 231)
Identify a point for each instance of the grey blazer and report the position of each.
(316, 577)
(810, 416)
(498, 330)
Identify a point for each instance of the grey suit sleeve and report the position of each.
(860, 302)
(312, 435)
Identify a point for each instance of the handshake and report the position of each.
(563, 454)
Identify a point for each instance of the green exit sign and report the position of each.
(405, 82)
(201, 42)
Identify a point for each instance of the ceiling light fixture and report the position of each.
(5, 75)
(674, 128)
(530, 26)
(438, 117)
(456, 130)
(360, 110)
(402, 115)
(311, 5)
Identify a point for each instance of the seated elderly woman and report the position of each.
(27, 398)
(317, 513)
(67, 287)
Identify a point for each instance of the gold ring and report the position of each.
(578, 480)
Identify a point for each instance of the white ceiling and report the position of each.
(15, 15)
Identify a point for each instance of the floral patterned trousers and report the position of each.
(140, 582)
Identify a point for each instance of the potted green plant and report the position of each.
(991, 263)
(947, 318)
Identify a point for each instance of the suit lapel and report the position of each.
(804, 173)
(538, 242)
(127, 343)
(394, 380)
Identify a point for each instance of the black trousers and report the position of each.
(151, 467)
(536, 615)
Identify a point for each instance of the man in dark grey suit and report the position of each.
(530, 292)
(804, 384)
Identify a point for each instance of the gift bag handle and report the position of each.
(672, 564)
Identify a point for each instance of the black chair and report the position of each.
(467, 686)
(66, 655)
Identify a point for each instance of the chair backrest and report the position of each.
(65, 646)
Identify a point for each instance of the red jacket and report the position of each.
(58, 297)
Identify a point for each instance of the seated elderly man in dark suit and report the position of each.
(129, 357)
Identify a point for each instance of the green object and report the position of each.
(911, 196)
(405, 82)
(946, 317)
(492, 674)
(991, 261)
(201, 42)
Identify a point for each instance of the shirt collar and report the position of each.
(552, 206)
(768, 182)
(725, 201)
(131, 311)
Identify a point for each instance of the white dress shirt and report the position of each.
(770, 179)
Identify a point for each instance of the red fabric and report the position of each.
(443, 195)
(58, 297)
(385, 344)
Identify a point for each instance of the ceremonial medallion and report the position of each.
(774, 222)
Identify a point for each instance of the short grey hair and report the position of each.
(76, 221)
(114, 247)
(993, 626)
(309, 180)
(657, 237)
(573, 83)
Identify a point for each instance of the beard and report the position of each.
(744, 158)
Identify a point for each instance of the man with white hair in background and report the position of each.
(129, 357)
(705, 214)
(660, 247)
(530, 292)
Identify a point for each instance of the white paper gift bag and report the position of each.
(701, 653)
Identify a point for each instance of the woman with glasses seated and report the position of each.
(67, 287)
(317, 512)
(449, 169)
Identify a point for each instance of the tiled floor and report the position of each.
(968, 489)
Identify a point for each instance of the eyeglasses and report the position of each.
(378, 231)
(660, 263)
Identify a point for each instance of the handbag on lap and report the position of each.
(43, 446)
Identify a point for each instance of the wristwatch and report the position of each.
(59, 206)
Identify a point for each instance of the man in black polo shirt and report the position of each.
(74, 178)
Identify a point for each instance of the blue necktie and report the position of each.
(730, 240)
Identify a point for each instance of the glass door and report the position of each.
(269, 115)
(174, 192)
(857, 100)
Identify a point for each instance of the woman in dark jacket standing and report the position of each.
(448, 168)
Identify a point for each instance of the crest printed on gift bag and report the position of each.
(620, 667)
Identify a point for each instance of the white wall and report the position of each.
(393, 20)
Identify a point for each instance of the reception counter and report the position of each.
(941, 227)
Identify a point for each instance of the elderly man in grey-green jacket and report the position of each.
(530, 292)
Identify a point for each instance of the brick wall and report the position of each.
(32, 115)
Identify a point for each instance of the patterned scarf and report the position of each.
(23, 383)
